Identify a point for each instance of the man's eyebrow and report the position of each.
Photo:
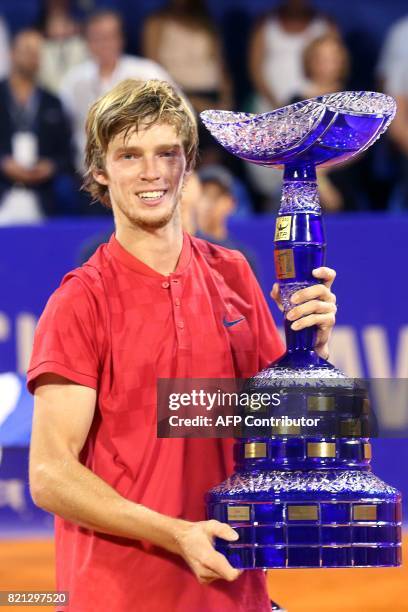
(159, 147)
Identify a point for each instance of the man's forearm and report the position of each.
(69, 489)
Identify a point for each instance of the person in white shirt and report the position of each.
(63, 49)
(4, 49)
(394, 57)
(84, 83)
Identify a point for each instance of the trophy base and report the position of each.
(308, 519)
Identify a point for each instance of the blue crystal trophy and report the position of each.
(300, 498)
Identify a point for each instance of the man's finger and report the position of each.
(218, 563)
(324, 321)
(311, 307)
(327, 275)
(221, 530)
(313, 292)
(275, 295)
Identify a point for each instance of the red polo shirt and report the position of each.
(116, 325)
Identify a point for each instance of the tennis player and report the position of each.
(153, 302)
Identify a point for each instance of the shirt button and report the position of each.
(165, 285)
(180, 324)
(177, 302)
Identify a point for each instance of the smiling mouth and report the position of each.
(152, 197)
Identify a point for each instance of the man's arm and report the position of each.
(59, 483)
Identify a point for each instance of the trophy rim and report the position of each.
(207, 116)
(369, 104)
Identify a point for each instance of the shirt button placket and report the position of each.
(176, 289)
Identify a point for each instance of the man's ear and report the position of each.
(100, 176)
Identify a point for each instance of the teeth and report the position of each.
(151, 195)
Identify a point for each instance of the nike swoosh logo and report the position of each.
(231, 323)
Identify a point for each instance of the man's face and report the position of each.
(144, 173)
(105, 39)
(27, 53)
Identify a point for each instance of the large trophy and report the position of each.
(302, 497)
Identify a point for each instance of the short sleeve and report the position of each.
(67, 338)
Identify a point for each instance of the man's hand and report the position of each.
(195, 545)
(315, 305)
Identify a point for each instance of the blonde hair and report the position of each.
(129, 106)
(310, 50)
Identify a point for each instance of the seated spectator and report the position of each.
(107, 67)
(326, 66)
(276, 52)
(34, 138)
(182, 38)
(63, 49)
(4, 50)
(394, 55)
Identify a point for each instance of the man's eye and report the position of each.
(128, 156)
(168, 154)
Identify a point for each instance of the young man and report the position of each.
(130, 528)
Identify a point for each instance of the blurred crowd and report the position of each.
(53, 67)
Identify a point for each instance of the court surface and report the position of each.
(29, 565)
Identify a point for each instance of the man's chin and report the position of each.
(152, 222)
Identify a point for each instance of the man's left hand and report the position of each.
(315, 305)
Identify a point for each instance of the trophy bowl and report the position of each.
(301, 497)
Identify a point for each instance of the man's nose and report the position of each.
(150, 170)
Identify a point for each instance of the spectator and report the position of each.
(182, 38)
(83, 84)
(216, 207)
(63, 49)
(217, 204)
(326, 66)
(394, 55)
(399, 130)
(276, 52)
(276, 70)
(4, 50)
(34, 138)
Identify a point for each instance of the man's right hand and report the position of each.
(195, 545)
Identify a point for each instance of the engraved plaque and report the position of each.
(303, 513)
(284, 264)
(283, 225)
(367, 451)
(366, 512)
(321, 403)
(255, 450)
(350, 427)
(281, 430)
(238, 513)
(321, 449)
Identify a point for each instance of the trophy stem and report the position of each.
(297, 172)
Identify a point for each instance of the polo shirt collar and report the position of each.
(132, 262)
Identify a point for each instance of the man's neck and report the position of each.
(21, 86)
(159, 249)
